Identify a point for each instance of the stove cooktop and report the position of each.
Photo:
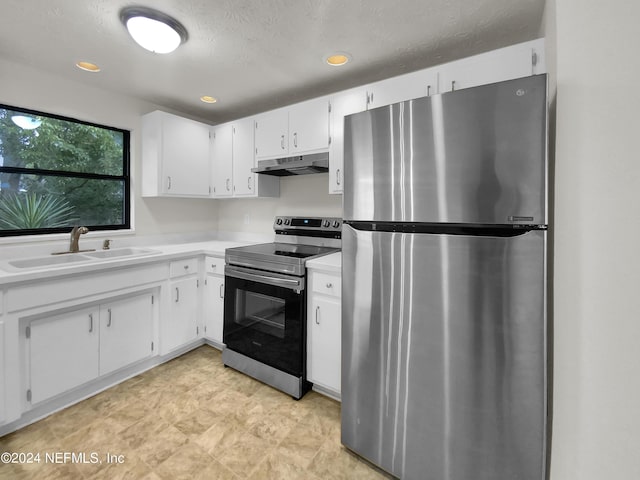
(276, 257)
(298, 239)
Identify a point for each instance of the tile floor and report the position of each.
(191, 418)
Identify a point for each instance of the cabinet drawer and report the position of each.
(326, 284)
(179, 268)
(214, 265)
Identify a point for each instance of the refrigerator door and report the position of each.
(471, 156)
(443, 354)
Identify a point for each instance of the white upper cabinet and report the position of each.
(404, 87)
(309, 126)
(272, 134)
(507, 63)
(342, 104)
(294, 130)
(175, 156)
(222, 161)
(232, 158)
(244, 181)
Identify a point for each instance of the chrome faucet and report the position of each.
(75, 238)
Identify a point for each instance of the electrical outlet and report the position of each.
(246, 219)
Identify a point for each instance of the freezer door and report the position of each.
(477, 155)
(444, 354)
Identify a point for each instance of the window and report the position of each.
(57, 172)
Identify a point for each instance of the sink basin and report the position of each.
(77, 258)
(121, 252)
(48, 261)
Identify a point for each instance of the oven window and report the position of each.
(266, 323)
(260, 312)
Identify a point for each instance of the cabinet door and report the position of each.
(342, 104)
(222, 160)
(63, 352)
(402, 88)
(309, 126)
(126, 332)
(324, 342)
(272, 134)
(244, 180)
(2, 372)
(214, 308)
(495, 66)
(185, 156)
(182, 324)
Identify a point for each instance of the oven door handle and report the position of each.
(290, 283)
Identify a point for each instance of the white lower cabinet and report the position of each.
(126, 332)
(69, 349)
(183, 320)
(63, 352)
(181, 324)
(324, 331)
(2, 373)
(213, 302)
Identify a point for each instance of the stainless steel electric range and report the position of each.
(265, 301)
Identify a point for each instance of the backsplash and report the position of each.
(305, 195)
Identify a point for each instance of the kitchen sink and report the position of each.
(77, 258)
(121, 252)
(48, 261)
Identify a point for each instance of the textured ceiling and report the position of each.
(254, 55)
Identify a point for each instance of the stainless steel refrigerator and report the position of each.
(444, 351)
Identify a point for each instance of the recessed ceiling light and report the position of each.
(208, 99)
(88, 67)
(337, 59)
(153, 30)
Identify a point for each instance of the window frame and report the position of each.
(125, 177)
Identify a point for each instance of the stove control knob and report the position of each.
(287, 221)
(279, 221)
(326, 224)
(336, 223)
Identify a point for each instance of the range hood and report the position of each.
(299, 165)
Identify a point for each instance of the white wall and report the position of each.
(299, 195)
(597, 242)
(26, 87)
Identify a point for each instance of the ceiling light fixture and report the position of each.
(88, 67)
(153, 30)
(337, 59)
(208, 99)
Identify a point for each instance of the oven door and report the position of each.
(264, 317)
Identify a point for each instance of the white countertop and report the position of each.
(332, 262)
(165, 253)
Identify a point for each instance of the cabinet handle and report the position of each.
(317, 310)
(371, 97)
(227, 184)
(91, 323)
(186, 267)
(453, 85)
(428, 90)
(177, 294)
(282, 142)
(249, 183)
(329, 285)
(168, 183)
(213, 266)
(109, 320)
(338, 177)
(222, 290)
(295, 139)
